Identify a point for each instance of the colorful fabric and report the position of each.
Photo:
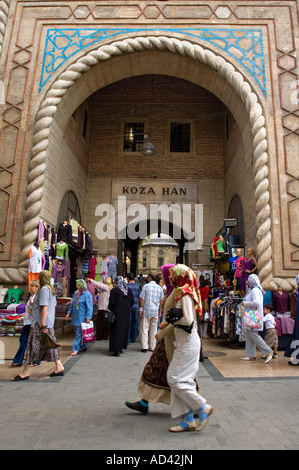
(185, 283)
(81, 287)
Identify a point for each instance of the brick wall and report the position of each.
(156, 99)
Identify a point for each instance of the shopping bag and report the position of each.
(87, 330)
(252, 319)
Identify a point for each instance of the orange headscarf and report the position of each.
(185, 283)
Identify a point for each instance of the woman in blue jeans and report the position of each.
(19, 357)
(81, 310)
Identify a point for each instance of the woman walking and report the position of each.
(43, 318)
(254, 300)
(120, 302)
(153, 386)
(185, 400)
(81, 310)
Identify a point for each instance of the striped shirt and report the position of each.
(152, 293)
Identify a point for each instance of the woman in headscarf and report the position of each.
(254, 300)
(102, 331)
(120, 302)
(42, 321)
(292, 350)
(185, 400)
(153, 386)
(81, 310)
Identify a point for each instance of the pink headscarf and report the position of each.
(165, 271)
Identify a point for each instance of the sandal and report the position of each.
(183, 426)
(18, 378)
(203, 416)
(15, 365)
(74, 353)
(58, 374)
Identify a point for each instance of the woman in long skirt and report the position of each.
(185, 400)
(43, 318)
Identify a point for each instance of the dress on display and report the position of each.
(104, 268)
(248, 264)
(281, 302)
(112, 267)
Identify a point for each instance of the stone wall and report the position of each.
(245, 54)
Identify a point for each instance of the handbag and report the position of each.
(252, 319)
(108, 317)
(87, 331)
(49, 342)
(206, 316)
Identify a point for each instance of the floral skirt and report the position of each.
(35, 352)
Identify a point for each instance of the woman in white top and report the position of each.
(254, 300)
(181, 373)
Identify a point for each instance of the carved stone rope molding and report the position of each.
(4, 10)
(223, 68)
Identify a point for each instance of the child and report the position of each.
(271, 338)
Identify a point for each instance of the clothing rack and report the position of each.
(226, 318)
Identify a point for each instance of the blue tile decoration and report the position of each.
(244, 45)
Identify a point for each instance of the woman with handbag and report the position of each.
(42, 323)
(120, 302)
(153, 386)
(185, 400)
(253, 300)
(81, 310)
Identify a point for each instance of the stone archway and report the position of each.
(218, 64)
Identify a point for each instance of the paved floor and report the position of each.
(85, 408)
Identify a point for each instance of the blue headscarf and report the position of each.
(253, 281)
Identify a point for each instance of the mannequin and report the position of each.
(62, 251)
(220, 244)
(13, 295)
(239, 263)
(112, 266)
(232, 268)
(250, 266)
(35, 263)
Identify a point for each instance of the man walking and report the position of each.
(149, 301)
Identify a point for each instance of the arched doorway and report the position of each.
(204, 68)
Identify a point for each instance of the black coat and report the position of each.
(121, 305)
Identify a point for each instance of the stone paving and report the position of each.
(85, 410)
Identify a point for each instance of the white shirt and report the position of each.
(269, 321)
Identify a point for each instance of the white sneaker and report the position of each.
(268, 359)
(248, 358)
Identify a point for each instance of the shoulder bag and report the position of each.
(108, 317)
(252, 319)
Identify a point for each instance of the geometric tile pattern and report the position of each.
(244, 45)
